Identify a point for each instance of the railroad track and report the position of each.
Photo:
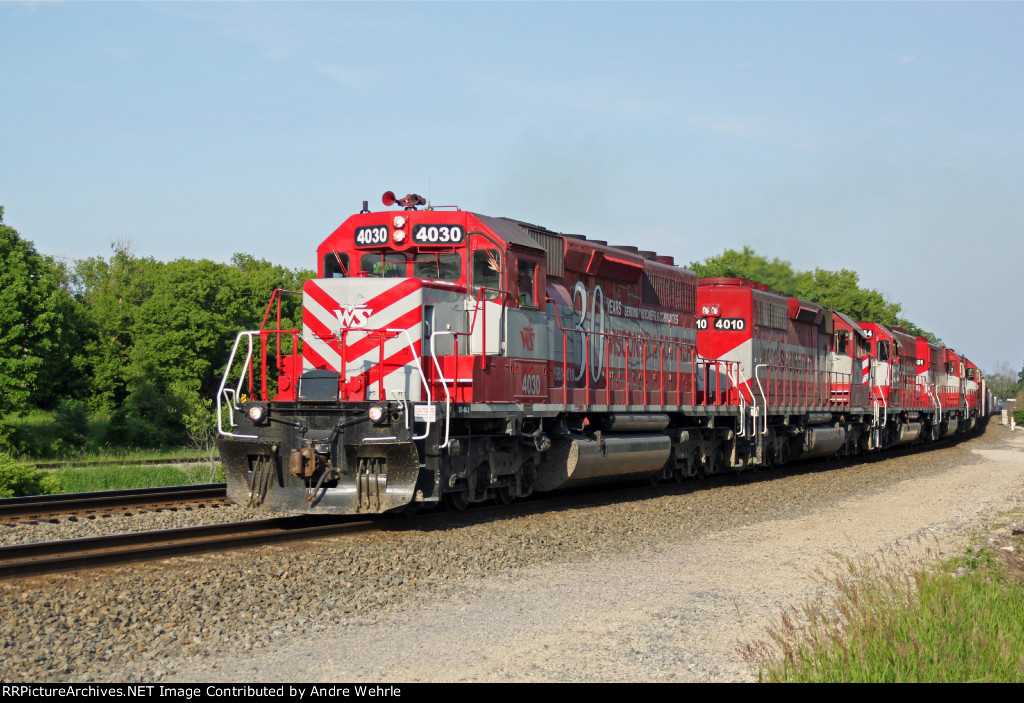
(27, 507)
(90, 552)
(69, 555)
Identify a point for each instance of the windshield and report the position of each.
(441, 266)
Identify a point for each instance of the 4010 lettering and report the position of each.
(726, 324)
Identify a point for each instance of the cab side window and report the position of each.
(843, 342)
(863, 347)
(527, 280)
(335, 265)
(487, 268)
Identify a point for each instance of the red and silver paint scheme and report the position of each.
(779, 343)
(446, 355)
(369, 331)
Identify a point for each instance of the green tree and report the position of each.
(840, 290)
(164, 327)
(110, 293)
(776, 274)
(1003, 381)
(38, 329)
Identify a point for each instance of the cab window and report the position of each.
(487, 268)
(883, 350)
(526, 280)
(843, 342)
(336, 265)
(440, 266)
(863, 347)
(384, 265)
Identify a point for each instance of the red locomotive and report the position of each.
(446, 355)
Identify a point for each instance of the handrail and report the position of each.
(382, 392)
(231, 394)
(444, 381)
(277, 295)
(813, 387)
(885, 406)
(627, 341)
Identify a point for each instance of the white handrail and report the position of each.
(231, 394)
(763, 396)
(444, 384)
(419, 368)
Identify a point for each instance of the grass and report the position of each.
(115, 477)
(897, 621)
(106, 468)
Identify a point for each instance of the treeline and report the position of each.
(141, 340)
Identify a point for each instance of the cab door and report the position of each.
(526, 330)
(485, 308)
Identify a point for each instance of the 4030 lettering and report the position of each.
(371, 236)
(438, 234)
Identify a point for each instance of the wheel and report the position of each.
(457, 500)
(504, 496)
(720, 461)
(700, 470)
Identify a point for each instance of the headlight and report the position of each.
(376, 414)
(399, 222)
(256, 412)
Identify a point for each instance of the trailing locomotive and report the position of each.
(447, 355)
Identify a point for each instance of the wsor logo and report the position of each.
(353, 315)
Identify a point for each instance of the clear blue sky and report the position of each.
(887, 138)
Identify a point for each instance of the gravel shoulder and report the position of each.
(664, 612)
(662, 587)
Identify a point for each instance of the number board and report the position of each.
(737, 324)
(372, 236)
(438, 234)
(732, 324)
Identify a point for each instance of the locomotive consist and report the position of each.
(450, 356)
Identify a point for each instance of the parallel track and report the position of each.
(40, 506)
(69, 555)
